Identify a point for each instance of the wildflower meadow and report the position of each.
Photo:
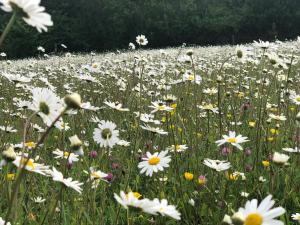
(187, 135)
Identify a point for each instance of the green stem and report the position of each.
(8, 27)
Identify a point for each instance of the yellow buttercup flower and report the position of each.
(266, 163)
(10, 176)
(30, 144)
(252, 124)
(188, 176)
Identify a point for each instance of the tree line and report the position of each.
(102, 25)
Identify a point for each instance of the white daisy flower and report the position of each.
(160, 106)
(116, 106)
(8, 129)
(277, 117)
(217, 165)
(177, 148)
(292, 150)
(280, 158)
(31, 165)
(105, 134)
(141, 40)
(2, 222)
(128, 200)
(296, 216)
(39, 200)
(154, 129)
(162, 207)
(68, 182)
(261, 214)
(154, 162)
(233, 140)
(189, 76)
(295, 99)
(33, 13)
(46, 104)
(65, 155)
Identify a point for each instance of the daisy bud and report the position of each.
(73, 101)
(237, 219)
(280, 158)
(76, 143)
(190, 52)
(9, 154)
(219, 79)
(298, 117)
(227, 219)
(191, 202)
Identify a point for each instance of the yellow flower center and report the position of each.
(253, 219)
(95, 175)
(191, 77)
(298, 99)
(66, 154)
(30, 144)
(161, 107)
(266, 163)
(177, 147)
(231, 140)
(137, 195)
(154, 160)
(30, 162)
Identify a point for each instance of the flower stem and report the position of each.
(8, 27)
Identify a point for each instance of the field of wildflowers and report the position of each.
(174, 136)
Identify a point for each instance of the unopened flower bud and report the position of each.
(76, 143)
(237, 219)
(298, 117)
(226, 220)
(73, 101)
(9, 154)
(190, 52)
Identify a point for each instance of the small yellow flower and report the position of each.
(232, 176)
(10, 176)
(30, 144)
(179, 129)
(172, 126)
(163, 120)
(229, 116)
(241, 94)
(188, 176)
(202, 180)
(274, 131)
(292, 109)
(174, 105)
(270, 139)
(266, 163)
(252, 124)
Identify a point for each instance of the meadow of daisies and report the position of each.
(175, 136)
